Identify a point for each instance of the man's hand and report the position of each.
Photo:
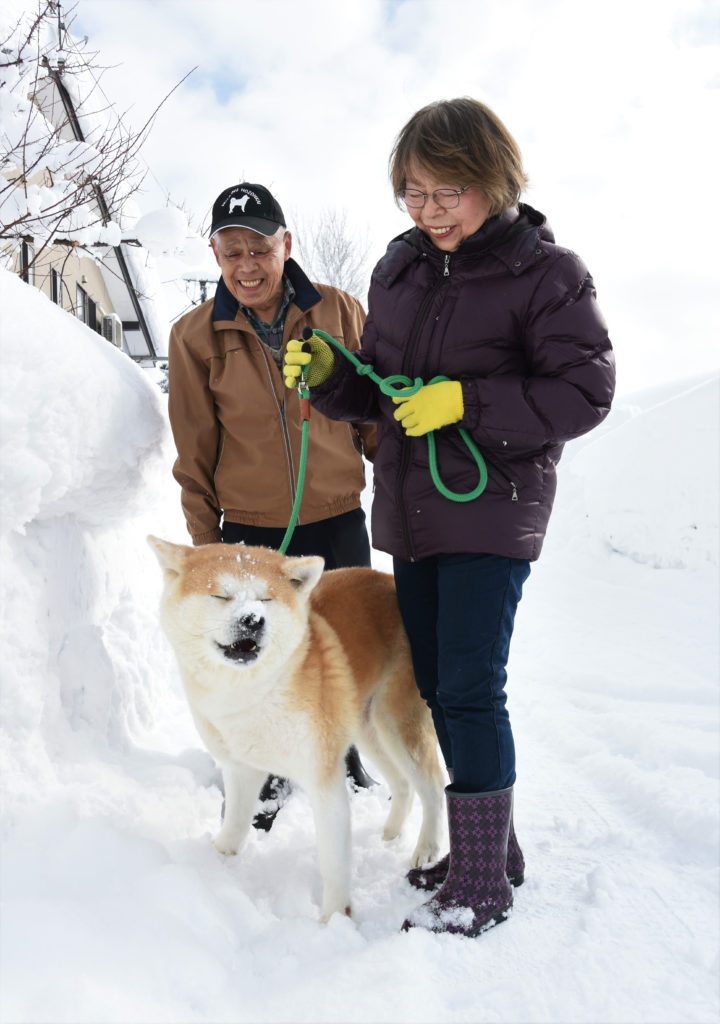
(313, 355)
(432, 407)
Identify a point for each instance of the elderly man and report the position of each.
(237, 429)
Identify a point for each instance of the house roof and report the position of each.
(143, 335)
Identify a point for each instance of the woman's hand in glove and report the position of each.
(432, 407)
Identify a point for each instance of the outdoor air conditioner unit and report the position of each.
(112, 329)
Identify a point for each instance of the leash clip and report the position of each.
(304, 396)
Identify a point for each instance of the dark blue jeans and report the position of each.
(459, 612)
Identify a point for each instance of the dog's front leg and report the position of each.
(242, 785)
(331, 810)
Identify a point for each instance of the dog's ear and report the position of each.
(304, 573)
(170, 556)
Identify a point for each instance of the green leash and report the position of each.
(304, 396)
(389, 386)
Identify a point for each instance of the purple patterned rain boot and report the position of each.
(476, 893)
(432, 877)
(515, 866)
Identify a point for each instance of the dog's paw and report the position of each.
(390, 832)
(424, 853)
(326, 916)
(225, 844)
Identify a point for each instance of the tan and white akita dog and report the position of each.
(284, 666)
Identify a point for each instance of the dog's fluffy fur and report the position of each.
(284, 666)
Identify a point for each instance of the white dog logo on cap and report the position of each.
(237, 202)
(230, 209)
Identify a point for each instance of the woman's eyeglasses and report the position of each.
(447, 198)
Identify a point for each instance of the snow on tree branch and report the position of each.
(68, 163)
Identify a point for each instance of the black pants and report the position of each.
(341, 540)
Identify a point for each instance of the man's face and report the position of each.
(252, 267)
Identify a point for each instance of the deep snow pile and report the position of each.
(117, 907)
(82, 434)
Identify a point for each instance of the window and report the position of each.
(27, 255)
(56, 287)
(81, 304)
(92, 318)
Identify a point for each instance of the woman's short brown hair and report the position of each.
(461, 142)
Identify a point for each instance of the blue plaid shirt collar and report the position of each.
(272, 334)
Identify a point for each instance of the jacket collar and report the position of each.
(226, 306)
(510, 236)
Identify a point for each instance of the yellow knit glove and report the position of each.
(317, 359)
(434, 406)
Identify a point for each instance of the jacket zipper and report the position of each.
(513, 485)
(407, 361)
(283, 421)
(220, 455)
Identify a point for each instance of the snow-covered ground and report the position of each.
(117, 908)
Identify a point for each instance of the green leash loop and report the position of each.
(390, 386)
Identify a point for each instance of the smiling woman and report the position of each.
(448, 215)
(462, 139)
(477, 299)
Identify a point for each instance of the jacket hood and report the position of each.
(508, 236)
(225, 305)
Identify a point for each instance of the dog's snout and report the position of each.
(246, 635)
(252, 623)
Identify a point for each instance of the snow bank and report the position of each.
(651, 485)
(82, 438)
(81, 429)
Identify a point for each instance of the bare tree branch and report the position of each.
(330, 254)
(71, 164)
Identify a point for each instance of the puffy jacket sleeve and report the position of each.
(346, 395)
(197, 436)
(570, 381)
(354, 323)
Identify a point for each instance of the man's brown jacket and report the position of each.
(237, 428)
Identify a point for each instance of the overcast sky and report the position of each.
(614, 106)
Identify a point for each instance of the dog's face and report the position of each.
(234, 605)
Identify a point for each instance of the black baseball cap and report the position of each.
(247, 206)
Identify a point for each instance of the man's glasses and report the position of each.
(254, 254)
(448, 198)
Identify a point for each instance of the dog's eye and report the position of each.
(264, 600)
(221, 597)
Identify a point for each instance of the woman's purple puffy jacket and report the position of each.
(513, 317)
